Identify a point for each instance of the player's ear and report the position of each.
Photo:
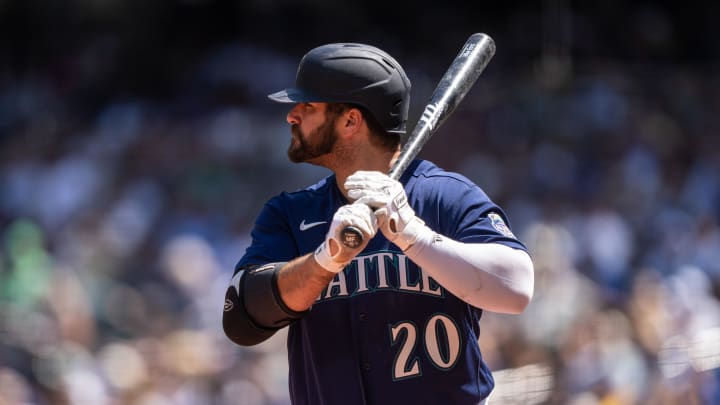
(353, 118)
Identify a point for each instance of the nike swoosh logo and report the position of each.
(305, 227)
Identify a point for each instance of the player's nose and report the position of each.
(293, 116)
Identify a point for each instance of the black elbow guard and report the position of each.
(237, 323)
(253, 309)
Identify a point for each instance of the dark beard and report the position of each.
(319, 142)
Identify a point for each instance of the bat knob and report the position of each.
(351, 237)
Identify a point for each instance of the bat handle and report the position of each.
(351, 237)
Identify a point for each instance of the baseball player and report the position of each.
(395, 321)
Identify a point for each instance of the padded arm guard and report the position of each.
(253, 309)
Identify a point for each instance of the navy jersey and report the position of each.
(383, 331)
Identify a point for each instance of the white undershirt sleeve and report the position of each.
(490, 276)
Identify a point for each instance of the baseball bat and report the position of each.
(464, 70)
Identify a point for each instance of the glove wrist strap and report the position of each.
(323, 258)
(413, 231)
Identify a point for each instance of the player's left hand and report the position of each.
(396, 219)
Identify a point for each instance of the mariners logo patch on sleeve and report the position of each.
(499, 225)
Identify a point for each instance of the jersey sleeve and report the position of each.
(470, 215)
(272, 240)
(488, 223)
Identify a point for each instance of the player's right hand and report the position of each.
(397, 220)
(332, 254)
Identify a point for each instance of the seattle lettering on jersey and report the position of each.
(382, 271)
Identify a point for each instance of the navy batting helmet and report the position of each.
(353, 73)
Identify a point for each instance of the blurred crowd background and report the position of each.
(137, 147)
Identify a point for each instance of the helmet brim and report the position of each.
(291, 95)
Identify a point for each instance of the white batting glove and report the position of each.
(396, 218)
(332, 255)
